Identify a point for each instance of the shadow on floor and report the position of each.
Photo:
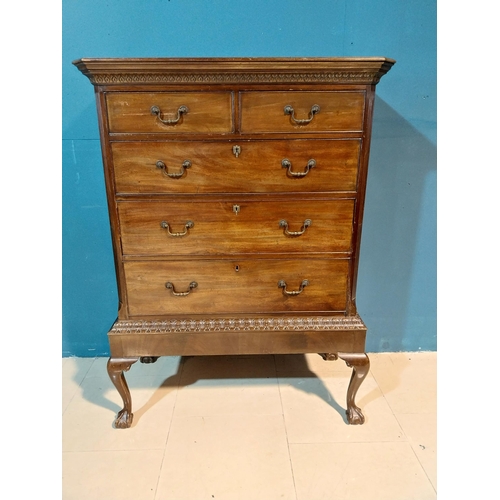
(289, 368)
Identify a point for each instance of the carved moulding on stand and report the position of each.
(238, 324)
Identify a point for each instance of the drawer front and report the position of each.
(206, 112)
(212, 228)
(265, 112)
(244, 286)
(213, 167)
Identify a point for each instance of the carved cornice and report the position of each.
(234, 71)
(206, 78)
(306, 323)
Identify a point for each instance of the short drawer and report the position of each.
(232, 286)
(236, 167)
(302, 112)
(170, 112)
(167, 228)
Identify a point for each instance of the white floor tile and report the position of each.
(420, 428)
(227, 458)
(111, 475)
(74, 371)
(408, 381)
(357, 471)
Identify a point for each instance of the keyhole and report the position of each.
(236, 209)
(236, 151)
(236, 268)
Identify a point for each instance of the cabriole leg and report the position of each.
(116, 367)
(360, 365)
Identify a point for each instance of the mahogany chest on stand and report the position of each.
(235, 191)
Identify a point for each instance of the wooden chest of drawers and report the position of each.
(235, 190)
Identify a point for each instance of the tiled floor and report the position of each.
(251, 427)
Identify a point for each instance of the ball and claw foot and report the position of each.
(354, 416)
(123, 419)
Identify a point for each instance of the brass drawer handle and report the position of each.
(163, 167)
(155, 110)
(285, 163)
(282, 284)
(170, 286)
(290, 111)
(284, 224)
(189, 224)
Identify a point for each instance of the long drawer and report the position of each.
(296, 112)
(235, 286)
(228, 227)
(234, 167)
(170, 112)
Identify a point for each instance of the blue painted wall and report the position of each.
(397, 280)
